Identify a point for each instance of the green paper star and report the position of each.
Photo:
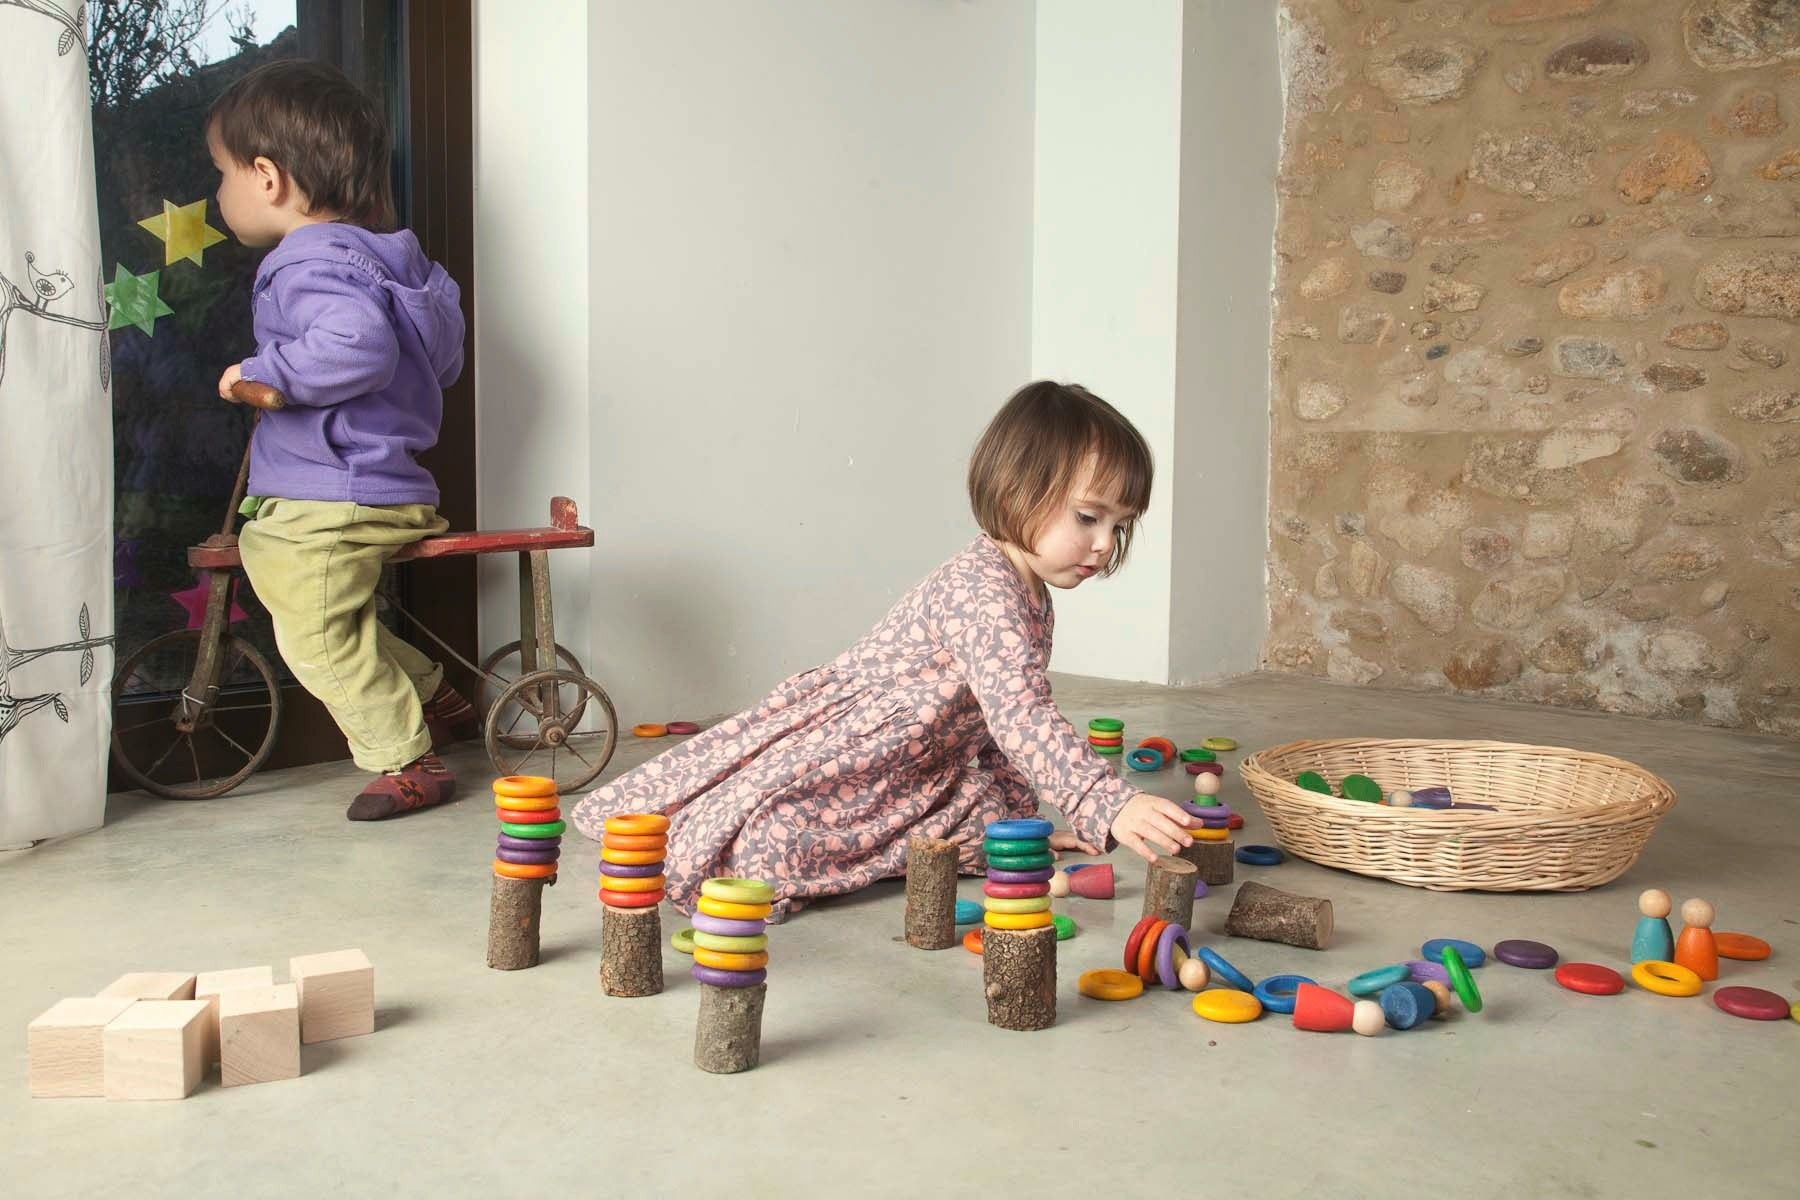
(183, 230)
(134, 300)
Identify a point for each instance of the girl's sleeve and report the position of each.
(1017, 795)
(980, 622)
(347, 348)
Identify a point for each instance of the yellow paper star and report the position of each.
(184, 231)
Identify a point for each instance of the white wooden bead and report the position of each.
(1367, 1018)
(1059, 884)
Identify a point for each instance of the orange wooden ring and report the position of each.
(1146, 958)
(972, 940)
(631, 858)
(1160, 743)
(632, 899)
(730, 962)
(648, 883)
(525, 870)
(526, 804)
(635, 841)
(728, 911)
(525, 787)
(529, 816)
(636, 823)
(650, 729)
(1741, 946)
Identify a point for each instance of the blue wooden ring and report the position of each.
(1021, 827)
(1277, 992)
(1259, 856)
(968, 912)
(1373, 983)
(1145, 758)
(1215, 962)
(1472, 955)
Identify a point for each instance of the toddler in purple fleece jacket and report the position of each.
(361, 333)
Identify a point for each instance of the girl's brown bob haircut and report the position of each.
(1033, 452)
(310, 120)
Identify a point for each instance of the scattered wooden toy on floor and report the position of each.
(1740, 946)
(1259, 856)
(1590, 979)
(1096, 882)
(1695, 949)
(1321, 1010)
(1665, 978)
(1272, 915)
(1653, 940)
(1520, 952)
(1472, 956)
(1754, 1004)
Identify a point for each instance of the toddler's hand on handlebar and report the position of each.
(232, 374)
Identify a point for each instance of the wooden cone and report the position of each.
(1215, 860)
(728, 1037)
(930, 893)
(631, 951)
(1093, 883)
(1272, 915)
(1169, 890)
(1321, 1010)
(513, 920)
(1018, 972)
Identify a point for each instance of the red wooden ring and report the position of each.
(1204, 768)
(632, 899)
(682, 728)
(1135, 939)
(1105, 741)
(1015, 891)
(1160, 743)
(533, 816)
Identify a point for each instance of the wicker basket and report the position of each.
(1565, 820)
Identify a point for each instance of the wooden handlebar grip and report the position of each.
(257, 395)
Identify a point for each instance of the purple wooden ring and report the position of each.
(508, 854)
(631, 870)
(1422, 970)
(1205, 768)
(1199, 889)
(730, 979)
(509, 842)
(726, 927)
(1220, 812)
(1172, 936)
(1041, 875)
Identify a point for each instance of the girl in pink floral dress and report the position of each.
(940, 720)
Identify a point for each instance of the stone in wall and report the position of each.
(1603, 55)
(1539, 163)
(1752, 114)
(1425, 73)
(1517, 600)
(1628, 295)
(1567, 650)
(1697, 335)
(1319, 400)
(1428, 594)
(1483, 662)
(1524, 12)
(1732, 35)
(1752, 283)
(1769, 404)
(1696, 456)
(1397, 185)
(1671, 165)
(1328, 279)
(1556, 262)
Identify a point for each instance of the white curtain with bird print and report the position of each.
(56, 459)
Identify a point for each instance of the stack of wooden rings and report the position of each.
(731, 940)
(1215, 819)
(1155, 951)
(1020, 866)
(633, 847)
(1107, 736)
(1152, 754)
(531, 827)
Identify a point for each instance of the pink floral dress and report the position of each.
(939, 721)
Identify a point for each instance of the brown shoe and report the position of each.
(449, 718)
(421, 783)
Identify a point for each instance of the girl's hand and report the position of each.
(1151, 825)
(1064, 839)
(232, 374)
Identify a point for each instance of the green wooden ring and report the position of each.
(1107, 749)
(682, 941)
(1461, 980)
(1198, 754)
(1015, 845)
(1106, 725)
(548, 829)
(731, 945)
(738, 891)
(1021, 862)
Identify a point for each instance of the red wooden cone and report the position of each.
(1093, 883)
(1321, 1009)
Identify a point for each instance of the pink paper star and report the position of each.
(194, 601)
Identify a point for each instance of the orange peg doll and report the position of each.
(1695, 948)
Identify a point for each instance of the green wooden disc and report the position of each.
(1065, 926)
(1360, 787)
(1198, 754)
(1020, 862)
(1312, 781)
(1005, 846)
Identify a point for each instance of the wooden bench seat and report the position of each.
(220, 551)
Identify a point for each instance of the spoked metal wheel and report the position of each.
(533, 728)
(193, 747)
(504, 665)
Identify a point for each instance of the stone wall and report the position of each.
(1536, 400)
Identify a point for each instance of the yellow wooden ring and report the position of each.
(647, 883)
(739, 891)
(726, 943)
(525, 787)
(1109, 983)
(636, 823)
(1665, 978)
(1228, 1006)
(1021, 904)
(734, 912)
(1000, 920)
(1209, 835)
(730, 962)
(632, 858)
(1219, 744)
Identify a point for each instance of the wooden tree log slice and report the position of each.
(513, 919)
(1018, 973)
(1215, 860)
(631, 952)
(728, 1037)
(1169, 890)
(930, 893)
(1272, 915)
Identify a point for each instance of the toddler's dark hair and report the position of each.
(310, 120)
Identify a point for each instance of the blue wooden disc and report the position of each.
(1472, 955)
(1406, 1004)
(968, 912)
(1259, 856)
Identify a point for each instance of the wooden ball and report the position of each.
(1400, 798)
(1059, 884)
(1206, 784)
(1697, 912)
(1367, 1018)
(1445, 997)
(1655, 903)
(1194, 975)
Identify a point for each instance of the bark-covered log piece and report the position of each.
(1018, 973)
(930, 893)
(513, 918)
(1272, 915)
(1169, 890)
(1214, 859)
(728, 1037)
(631, 951)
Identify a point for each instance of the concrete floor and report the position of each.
(879, 1075)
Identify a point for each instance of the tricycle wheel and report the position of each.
(503, 666)
(193, 748)
(533, 728)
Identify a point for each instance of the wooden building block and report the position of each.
(259, 1034)
(63, 1047)
(156, 1050)
(337, 994)
(152, 985)
(209, 984)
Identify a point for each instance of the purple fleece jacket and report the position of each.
(362, 333)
